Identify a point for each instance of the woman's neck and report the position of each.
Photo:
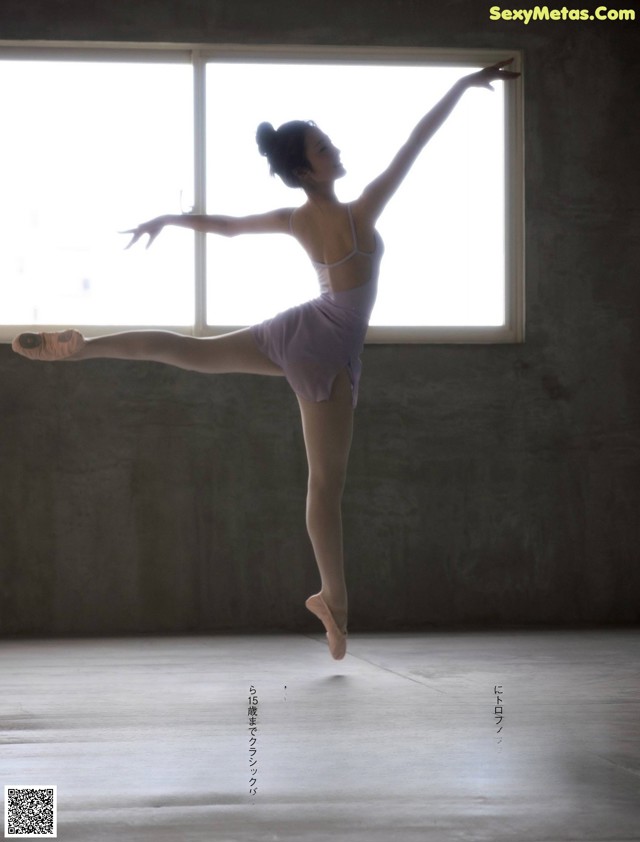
(322, 197)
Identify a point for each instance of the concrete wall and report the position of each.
(488, 485)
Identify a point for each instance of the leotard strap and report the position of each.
(355, 250)
(354, 236)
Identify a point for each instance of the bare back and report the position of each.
(342, 246)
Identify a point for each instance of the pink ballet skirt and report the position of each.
(313, 342)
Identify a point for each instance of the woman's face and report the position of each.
(323, 157)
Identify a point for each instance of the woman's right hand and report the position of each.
(152, 228)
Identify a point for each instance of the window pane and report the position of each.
(89, 149)
(444, 229)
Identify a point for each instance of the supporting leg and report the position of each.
(328, 427)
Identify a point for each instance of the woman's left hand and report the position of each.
(483, 78)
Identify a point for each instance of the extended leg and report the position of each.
(232, 352)
(327, 430)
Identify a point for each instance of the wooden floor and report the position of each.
(148, 738)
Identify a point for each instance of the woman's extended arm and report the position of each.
(274, 222)
(378, 193)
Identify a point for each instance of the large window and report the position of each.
(89, 148)
(99, 141)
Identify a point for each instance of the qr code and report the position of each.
(30, 812)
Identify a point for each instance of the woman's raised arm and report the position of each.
(273, 222)
(378, 193)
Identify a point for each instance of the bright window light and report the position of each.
(88, 149)
(98, 140)
(444, 261)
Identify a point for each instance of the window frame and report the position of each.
(513, 329)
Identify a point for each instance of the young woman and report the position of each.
(317, 345)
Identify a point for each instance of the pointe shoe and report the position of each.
(48, 346)
(337, 639)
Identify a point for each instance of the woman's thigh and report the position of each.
(328, 428)
(230, 353)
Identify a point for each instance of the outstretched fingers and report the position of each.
(500, 64)
(151, 228)
(134, 239)
(136, 234)
(506, 74)
(496, 72)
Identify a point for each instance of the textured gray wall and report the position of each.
(488, 485)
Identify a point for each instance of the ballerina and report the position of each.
(316, 346)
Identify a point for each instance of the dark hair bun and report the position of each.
(266, 137)
(285, 149)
